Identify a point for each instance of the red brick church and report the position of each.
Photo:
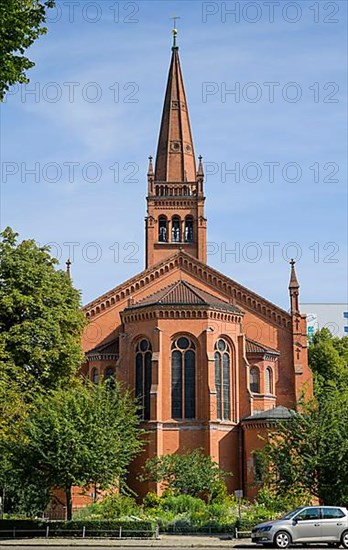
(212, 362)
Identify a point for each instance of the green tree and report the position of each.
(328, 357)
(20, 25)
(192, 473)
(82, 436)
(308, 453)
(41, 321)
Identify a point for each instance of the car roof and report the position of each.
(321, 506)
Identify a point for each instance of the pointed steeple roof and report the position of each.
(175, 161)
(294, 284)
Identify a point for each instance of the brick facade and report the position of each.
(199, 350)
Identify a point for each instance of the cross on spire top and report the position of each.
(175, 30)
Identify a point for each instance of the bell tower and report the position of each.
(175, 201)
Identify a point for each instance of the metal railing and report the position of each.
(50, 531)
(245, 534)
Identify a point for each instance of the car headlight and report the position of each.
(266, 528)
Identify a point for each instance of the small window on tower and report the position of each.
(162, 229)
(176, 238)
(189, 230)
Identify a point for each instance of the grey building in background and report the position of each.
(331, 316)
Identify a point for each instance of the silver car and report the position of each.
(304, 525)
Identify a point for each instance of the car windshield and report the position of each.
(292, 513)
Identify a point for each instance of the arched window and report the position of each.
(189, 230)
(109, 376)
(95, 376)
(176, 233)
(222, 358)
(254, 380)
(269, 381)
(183, 379)
(162, 229)
(143, 357)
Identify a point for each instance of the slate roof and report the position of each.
(110, 349)
(257, 348)
(277, 413)
(184, 293)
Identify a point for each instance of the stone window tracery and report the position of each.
(222, 357)
(183, 378)
(143, 375)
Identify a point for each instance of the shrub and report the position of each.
(151, 500)
(183, 504)
(113, 506)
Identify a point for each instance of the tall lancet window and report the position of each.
(183, 379)
(162, 229)
(176, 233)
(269, 380)
(254, 380)
(222, 358)
(189, 229)
(143, 358)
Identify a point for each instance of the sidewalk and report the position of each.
(165, 541)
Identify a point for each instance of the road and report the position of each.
(136, 545)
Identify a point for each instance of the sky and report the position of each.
(266, 84)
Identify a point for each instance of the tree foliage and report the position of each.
(309, 452)
(192, 474)
(82, 436)
(20, 25)
(328, 359)
(40, 317)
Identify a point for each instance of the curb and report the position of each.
(108, 543)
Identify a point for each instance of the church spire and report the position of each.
(175, 218)
(175, 161)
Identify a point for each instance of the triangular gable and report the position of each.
(240, 295)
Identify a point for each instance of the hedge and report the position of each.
(100, 528)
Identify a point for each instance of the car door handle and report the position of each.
(339, 523)
(317, 525)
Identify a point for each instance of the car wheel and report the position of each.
(344, 539)
(282, 539)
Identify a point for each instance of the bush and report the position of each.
(151, 500)
(180, 525)
(113, 506)
(183, 504)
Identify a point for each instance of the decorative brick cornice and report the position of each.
(178, 312)
(101, 356)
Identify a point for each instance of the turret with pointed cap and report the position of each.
(175, 213)
(294, 289)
